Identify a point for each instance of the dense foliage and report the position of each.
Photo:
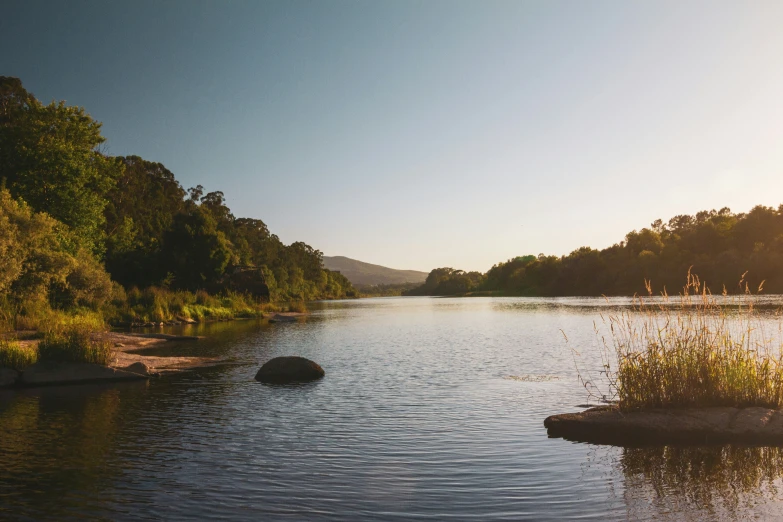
(49, 157)
(719, 245)
(72, 219)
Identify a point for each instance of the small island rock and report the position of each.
(282, 370)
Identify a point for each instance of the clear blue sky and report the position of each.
(432, 133)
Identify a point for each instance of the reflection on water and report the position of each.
(57, 441)
(430, 409)
(723, 482)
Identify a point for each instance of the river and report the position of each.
(431, 409)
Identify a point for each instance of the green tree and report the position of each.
(195, 252)
(51, 160)
(141, 208)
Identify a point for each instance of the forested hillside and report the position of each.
(79, 227)
(720, 246)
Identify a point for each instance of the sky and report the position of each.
(421, 134)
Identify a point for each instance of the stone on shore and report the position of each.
(166, 337)
(41, 374)
(138, 368)
(283, 370)
(716, 425)
(8, 377)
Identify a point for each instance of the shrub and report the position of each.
(14, 356)
(73, 343)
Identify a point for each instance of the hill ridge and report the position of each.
(362, 273)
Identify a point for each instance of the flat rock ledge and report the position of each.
(44, 374)
(693, 426)
(166, 337)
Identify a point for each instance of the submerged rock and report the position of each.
(282, 370)
(41, 374)
(280, 318)
(717, 425)
(8, 377)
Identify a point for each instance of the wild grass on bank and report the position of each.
(692, 351)
(74, 343)
(161, 305)
(16, 357)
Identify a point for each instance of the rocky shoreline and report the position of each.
(128, 363)
(691, 426)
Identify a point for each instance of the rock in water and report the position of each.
(283, 370)
(691, 426)
(279, 318)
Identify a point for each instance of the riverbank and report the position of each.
(128, 359)
(127, 362)
(127, 344)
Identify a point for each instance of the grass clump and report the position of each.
(162, 305)
(700, 350)
(74, 343)
(14, 356)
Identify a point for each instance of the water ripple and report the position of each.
(431, 409)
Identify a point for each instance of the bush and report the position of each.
(73, 343)
(14, 356)
(88, 284)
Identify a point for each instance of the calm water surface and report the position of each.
(431, 409)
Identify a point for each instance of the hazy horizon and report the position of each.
(415, 135)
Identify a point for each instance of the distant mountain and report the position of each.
(361, 273)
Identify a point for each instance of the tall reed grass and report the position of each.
(694, 350)
(75, 342)
(160, 305)
(16, 357)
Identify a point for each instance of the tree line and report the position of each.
(76, 223)
(719, 245)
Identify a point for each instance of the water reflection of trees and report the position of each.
(57, 441)
(691, 482)
(63, 449)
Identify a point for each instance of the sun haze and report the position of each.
(424, 134)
